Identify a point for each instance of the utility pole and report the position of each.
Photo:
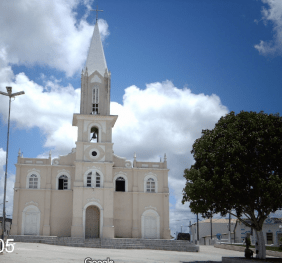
(197, 228)
(10, 95)
(229, 230)
(190, 232)
(211, 228)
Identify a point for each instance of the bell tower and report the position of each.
(94, 142)
(94, 147)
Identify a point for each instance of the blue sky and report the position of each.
(177, 67)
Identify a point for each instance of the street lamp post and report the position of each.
(197, 228)
(10, 95)
(229, 229)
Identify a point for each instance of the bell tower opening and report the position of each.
(94, 134)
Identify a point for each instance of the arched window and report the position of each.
(150, 186)
(120, 184)
(63, 182)
(33, 181)
(93, 178)
(94, 134)
(150, 183)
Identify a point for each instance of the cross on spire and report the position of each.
(97, 12)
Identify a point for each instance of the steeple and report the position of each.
(96, 58)
(95, 79)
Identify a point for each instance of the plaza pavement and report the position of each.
(41, 253)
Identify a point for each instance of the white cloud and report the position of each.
(103, 29)
(46, 33)
(272, 14)
(49, 108)
(164, 119)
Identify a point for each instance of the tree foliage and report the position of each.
(238, 168)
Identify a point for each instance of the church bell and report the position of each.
(94, 136)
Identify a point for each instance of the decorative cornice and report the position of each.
(33, 170)
(55, 161)
(151, 174)
(93, 168)
(150, 207)
(31, 203)
(63, 171)
(120, 173)
(119, 157)
(128, 164)
(93, 199)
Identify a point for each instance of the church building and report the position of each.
(91, 192)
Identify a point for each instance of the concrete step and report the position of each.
(116, 243)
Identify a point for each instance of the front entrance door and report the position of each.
(150, 225)
(92, 222)
(31, 223)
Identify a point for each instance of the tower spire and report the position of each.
(96, 57)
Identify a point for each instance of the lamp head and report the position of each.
(9, 90)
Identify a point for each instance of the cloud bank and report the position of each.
(273, 15)
(46, 33)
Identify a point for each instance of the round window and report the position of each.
(94, 153)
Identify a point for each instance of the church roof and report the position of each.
(96, 58)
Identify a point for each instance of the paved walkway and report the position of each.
(41, 253)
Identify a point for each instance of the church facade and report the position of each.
(91, 192)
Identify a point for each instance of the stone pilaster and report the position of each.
(166, 229)
(47, 203)
(77, 216)
(108, 220)
(135, 208)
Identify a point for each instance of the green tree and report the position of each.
(238, 169)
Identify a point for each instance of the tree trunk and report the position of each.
(261, 245)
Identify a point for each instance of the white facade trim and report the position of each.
(154, 177)
(101, 217)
